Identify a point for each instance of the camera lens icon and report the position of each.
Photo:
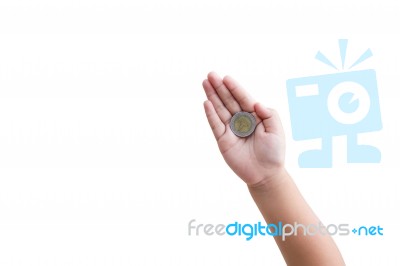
(340, 104)
(348, 102)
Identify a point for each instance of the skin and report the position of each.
(259, 161)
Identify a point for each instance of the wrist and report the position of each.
(270, 181)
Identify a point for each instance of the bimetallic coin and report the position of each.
(243, 124)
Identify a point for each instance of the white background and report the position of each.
(105, 153)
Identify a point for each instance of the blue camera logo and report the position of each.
(325, 106)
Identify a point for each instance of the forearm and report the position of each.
(279, 200)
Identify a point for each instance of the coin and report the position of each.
(243, 124)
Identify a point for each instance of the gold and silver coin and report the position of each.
(243, 124)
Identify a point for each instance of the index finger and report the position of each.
(245, 101)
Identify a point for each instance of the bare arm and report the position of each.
(259, 161)
(281, 201)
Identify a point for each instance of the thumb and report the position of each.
(269, 118)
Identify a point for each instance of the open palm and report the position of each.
(257, 157)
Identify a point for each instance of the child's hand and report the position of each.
(259, 161)
(258, 158)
